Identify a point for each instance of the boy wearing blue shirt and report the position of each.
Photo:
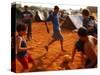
(57, 35)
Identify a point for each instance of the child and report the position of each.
(27, 19)
(93, 21)
(86, 45)
(57, 35)
(88, 22)
(22, 54)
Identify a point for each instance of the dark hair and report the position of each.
(82, 31)
(56, 7)
(92, 17)
(85, 12)
(25, 6)
(21, 27)
(50, 11)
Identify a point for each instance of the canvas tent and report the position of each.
(37, 17)
(72, 22)
(40, 15)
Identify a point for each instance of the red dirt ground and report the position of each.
(51, 61)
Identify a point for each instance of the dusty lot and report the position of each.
(54, 57)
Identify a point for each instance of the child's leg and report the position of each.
(61, 43)
(31, 60)
(27, 36)
(52, 41)
(28, 33)
(24, 62)
(82, 60)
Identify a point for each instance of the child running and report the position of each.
(57, 35)
(22, 54)
(87, 46)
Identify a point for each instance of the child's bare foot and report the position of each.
(46, 47)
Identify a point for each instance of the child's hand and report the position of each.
(30, 48)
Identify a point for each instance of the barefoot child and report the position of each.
(22, 54)
(57, 35)
(86, 45)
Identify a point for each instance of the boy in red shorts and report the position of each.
(22, 54)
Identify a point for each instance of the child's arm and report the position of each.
(95, 40)
(62, 18)
(47, 27)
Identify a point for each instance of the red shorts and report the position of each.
(25, 60)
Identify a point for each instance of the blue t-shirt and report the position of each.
(54, 17)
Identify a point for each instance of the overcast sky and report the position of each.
(63, 4)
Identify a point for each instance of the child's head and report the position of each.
(21, 29)
(83, 33)
(56, 9)
(85, 13)
(26, 7)
(92, 17)
(50, 12)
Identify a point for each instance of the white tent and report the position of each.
(73, 22)
(77, 21)
(42, 15)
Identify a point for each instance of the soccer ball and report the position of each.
(67, 58)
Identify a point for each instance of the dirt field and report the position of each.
(54, 57)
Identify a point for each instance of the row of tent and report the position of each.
(71, 22)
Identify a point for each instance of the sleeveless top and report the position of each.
(23, 45)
